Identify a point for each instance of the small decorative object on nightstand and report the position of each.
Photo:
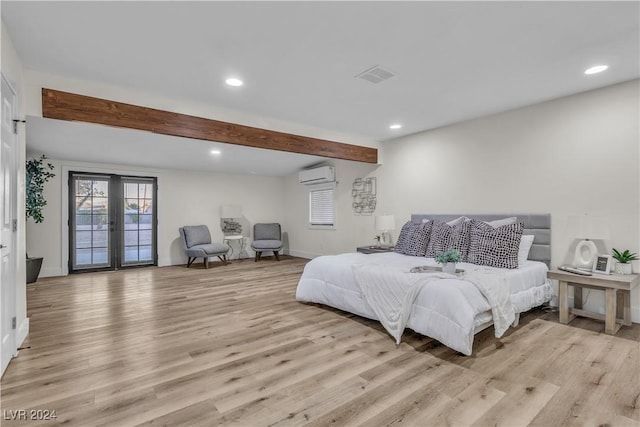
(602, 264)
(587, 228)
(623, 264)
(374, 249)
(617, 290)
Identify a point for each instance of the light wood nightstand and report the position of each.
(617, 290)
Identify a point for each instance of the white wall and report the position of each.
(350, 231)
(578, 154)
(184, 198)
(13, 70)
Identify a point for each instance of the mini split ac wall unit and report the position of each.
(317, 175)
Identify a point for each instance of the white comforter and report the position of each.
(449, 309)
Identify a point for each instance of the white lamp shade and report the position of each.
(385, 223)
(231, 211)
(588, 227)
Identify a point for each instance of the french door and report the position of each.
(112, 221)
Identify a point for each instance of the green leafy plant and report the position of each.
(450, 255)
(37, 175)
(624, 257)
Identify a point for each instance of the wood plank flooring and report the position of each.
(230, 345)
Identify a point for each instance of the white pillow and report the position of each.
(457, 221)
(525, 246)
(500, 222)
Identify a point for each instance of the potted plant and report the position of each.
(37, 174)
(623, 266)
(448, 259)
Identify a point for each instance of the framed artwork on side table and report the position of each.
(602, 264)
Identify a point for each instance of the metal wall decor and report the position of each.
(363, 193)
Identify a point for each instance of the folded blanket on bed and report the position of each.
(495, 289)
(391, 292)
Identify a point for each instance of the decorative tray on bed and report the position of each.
(432, 269)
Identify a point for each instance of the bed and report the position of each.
(450, 309)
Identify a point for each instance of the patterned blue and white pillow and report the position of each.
(445, 237)
(495, 247)
(413, 238)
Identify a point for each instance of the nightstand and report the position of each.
(374, 249)
(617, 290)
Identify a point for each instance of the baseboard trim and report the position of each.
(303, 254)
(51, 272)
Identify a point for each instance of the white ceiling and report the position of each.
(454, 60)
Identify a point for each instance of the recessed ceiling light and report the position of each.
(596, 69)
(215, 152)
(395, 126)
(233, 81)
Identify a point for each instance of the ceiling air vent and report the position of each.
(375, 74)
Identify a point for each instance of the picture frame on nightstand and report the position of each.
(602, 264)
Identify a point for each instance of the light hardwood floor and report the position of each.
(231, 346)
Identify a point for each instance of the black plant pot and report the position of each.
(33, 269)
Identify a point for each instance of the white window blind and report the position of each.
(321, 206)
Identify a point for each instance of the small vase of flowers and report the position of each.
(448, 259)
(623, 265)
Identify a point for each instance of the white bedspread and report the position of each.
(391, 292)
(449, 310)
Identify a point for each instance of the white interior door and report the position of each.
(8, 214)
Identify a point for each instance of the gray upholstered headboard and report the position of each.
(538, 225)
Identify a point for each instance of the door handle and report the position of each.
(2, 246)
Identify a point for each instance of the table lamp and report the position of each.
(587, 228)
(385, 223)
(228, 214)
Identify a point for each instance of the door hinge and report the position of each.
(14, 225)
(15, 124)
(13, 322)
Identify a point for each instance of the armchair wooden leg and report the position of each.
(206, 262)
(223, 258)
(276, 254)
(190, 261)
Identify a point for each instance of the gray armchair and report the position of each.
(196, 241)
(267, 237)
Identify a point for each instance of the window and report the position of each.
(321, 206)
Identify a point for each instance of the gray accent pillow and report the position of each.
(445, 237)
(413, 238)
(495, 247)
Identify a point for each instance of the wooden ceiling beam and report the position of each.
(73, 107)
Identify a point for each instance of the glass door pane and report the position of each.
(139, 221)
(90, 223)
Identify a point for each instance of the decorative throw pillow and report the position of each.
(500, 222)
(445, 236)
(413, 238)
(495, 247)
(525, 246)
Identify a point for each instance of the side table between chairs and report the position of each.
(235, 238)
